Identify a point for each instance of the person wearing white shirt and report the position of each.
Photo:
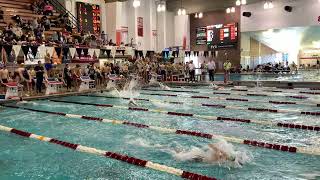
(211, 69)
(192, 71)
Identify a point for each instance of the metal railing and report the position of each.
(62, 10)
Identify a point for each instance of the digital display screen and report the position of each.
(201, 36)
(222, 35)
(89, 17)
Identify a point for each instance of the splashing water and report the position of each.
(206, 154)
(27, 102)
(164, 87)
(129, 89)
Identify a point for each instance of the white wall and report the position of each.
(182, 30)
(305, 13)
(111, 24)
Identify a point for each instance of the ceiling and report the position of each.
(193, 6)
(289, 39)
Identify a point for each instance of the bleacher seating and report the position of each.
(21, 8)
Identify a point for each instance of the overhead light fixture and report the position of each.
(228, 10)
(241, 2)
(181, 10)
(268, 5)
(233, 9)
(161, 7)
(238, 2)
(200, 15)
(136, 3)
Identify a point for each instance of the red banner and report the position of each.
(140, 26)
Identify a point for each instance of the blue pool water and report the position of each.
(23, 158)
(306, 76)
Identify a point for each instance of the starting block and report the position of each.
(53, 86)
(86, 84)
(13, 90)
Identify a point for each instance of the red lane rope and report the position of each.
(281, 102)
(184, 132)
(205, 105)
(112, 155)
(298, 97)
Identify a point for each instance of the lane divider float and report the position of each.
(108, 154)
(278, 147)
(237, 99)
(205, 117)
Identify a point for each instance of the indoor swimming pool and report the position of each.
(166, 127)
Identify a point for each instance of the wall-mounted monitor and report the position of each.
(201, 35)
(222, 35)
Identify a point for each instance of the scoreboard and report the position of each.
(219, 35)
(201, 36)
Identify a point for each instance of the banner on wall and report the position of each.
(140, 26)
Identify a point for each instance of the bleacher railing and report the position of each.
(62, 10)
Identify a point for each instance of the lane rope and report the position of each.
(108, 154)
(278, 147)
(269, 93)
(236, 99)
(207, 117)
(255, 94)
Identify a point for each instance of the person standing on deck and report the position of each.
(39, 76)
(227, 66)
(211, 69)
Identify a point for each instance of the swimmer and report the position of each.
(164, 87)
(132, 103)
(215, 87)
(220, 152)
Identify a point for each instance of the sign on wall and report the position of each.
(140, 26)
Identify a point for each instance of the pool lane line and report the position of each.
(277, 147)
(108, 154)
(233, 99)
(205, 117)
(240, 94)
(270, 91)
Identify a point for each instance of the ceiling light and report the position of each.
(196, 15)
(159, 8)
(163, 8)
(136, 3)
(270, 5)
(183, 12)
(243, 2)
(228, 10)
(233, 9)
(266, 5)
(179, 12)
(200, 15)
(238, 2)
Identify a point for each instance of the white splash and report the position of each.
(207, 155)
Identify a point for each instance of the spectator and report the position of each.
(192, 71)
(67, 76)
(48, 9)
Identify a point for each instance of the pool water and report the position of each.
(306, 76)
(24, 158)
